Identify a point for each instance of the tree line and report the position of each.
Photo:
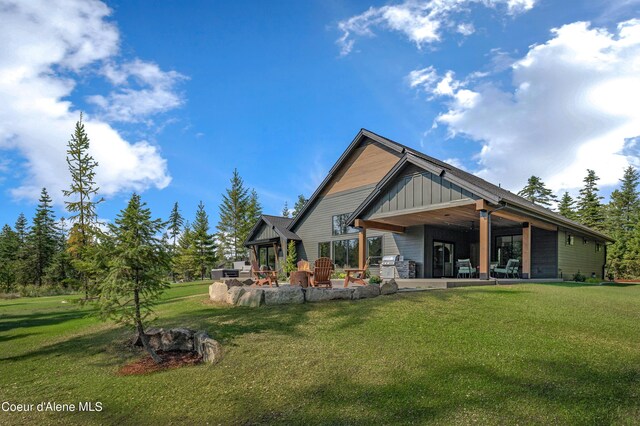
(619, 218)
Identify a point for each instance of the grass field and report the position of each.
(552, 353)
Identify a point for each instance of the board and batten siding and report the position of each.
(544, 253)
(580, 257)
(416, 189)
(266, 232)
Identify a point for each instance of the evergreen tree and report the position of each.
(235, 222)
(22, 228)
(621, 222)
(566, 207)
(292, 258)
(136, 269)
(9, 245)
(205, 249)
(184, 262)
(176, 221)
(61, 270)
(42, 238)
(537, 192)
(21, 268)
(299, 205)
(285, 210)
(81, 203)
(589, 209)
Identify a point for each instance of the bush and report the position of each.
(594, 280)
(375, 279)
(338, 275)
(579, 278)
(44, 290)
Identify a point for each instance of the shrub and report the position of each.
(578, 277)
(375, 279)
(338, 275)
(594, 280)
(44, 290)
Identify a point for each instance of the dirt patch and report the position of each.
(170, 360)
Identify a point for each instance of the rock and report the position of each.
(218, 292)
(365, 291)
(234, 282)
(234, 294)
(252, 298)
(177, 339)
(314, 294)
(154, 335)
(283, 295)
(248, 281)
(210, 349)
(390, 287)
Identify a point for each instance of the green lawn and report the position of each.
(552, 353)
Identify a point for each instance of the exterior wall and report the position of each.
(410, 245)
(265, 232)
(460, 238)
(544, 253)
(579, 257)
(417, 189)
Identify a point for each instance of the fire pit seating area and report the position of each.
(238, 293)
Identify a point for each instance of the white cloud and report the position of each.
(421, 21)
(575, 104)
(47, 47)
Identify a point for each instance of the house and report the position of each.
(383, 198)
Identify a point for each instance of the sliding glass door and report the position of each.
(443, 263)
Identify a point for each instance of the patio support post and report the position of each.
(485, 245)
(362, 247)
(526, 250)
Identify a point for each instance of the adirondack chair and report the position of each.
(263, 276)
(356, 275)
(510, 269)
(322, 269)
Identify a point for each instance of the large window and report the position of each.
(508, 247)
(374, 250)
(323, 249)
(339, 224)
(345, 253)
(267, 257)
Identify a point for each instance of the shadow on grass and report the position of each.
(10, 322)
(573, 284)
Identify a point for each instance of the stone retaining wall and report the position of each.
(233, 292)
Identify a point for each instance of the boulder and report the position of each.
(284, 295)
(218, 292)
(365, 291)
(248, 281)
(314, 294)
(234, 282)
(210, 349)
(252, 298)
(390, 287)
(234, 294)
(154, 335)
(177, 339)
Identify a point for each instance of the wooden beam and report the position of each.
(526, 251)
(362, 247)
(485, 245)
(523, 219)
(370, 224)
(481, 205)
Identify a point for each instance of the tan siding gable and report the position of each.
(367, 165)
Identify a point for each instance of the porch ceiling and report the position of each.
(461, 217)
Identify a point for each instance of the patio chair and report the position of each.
(465, 268)
(242, 267)
(263, 275)
(322, 270)
(356, 276)
(492, 269)
(511, 269)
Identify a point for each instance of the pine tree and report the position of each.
(60, 270)
(136, 269)
(299, 205)
(234, 223)
(566, 207)
(203, 241)
(589, 209)
(176, 221)
(285, 210)
(9, 245)
(22, 228)
(81, 203)
(21, 268)
(537, 192)
(184, 261)
(42, 238)
(292, 258)
(621, 222)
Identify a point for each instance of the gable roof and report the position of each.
(468, 181)
(279, 224)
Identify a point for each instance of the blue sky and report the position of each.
(178, 94)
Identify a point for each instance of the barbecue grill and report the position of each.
(394, 266)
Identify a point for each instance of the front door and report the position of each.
(443, 265)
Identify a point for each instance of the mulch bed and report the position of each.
(170, 360)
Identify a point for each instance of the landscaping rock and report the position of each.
(248, 281)
(218, 292)
(390, 287)
(210, 349)
(177, 339)
(284, 295)
(365, 291)
(154, 335)
(252, 298)
(313, 294)
(234, 294)
(234, 282)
